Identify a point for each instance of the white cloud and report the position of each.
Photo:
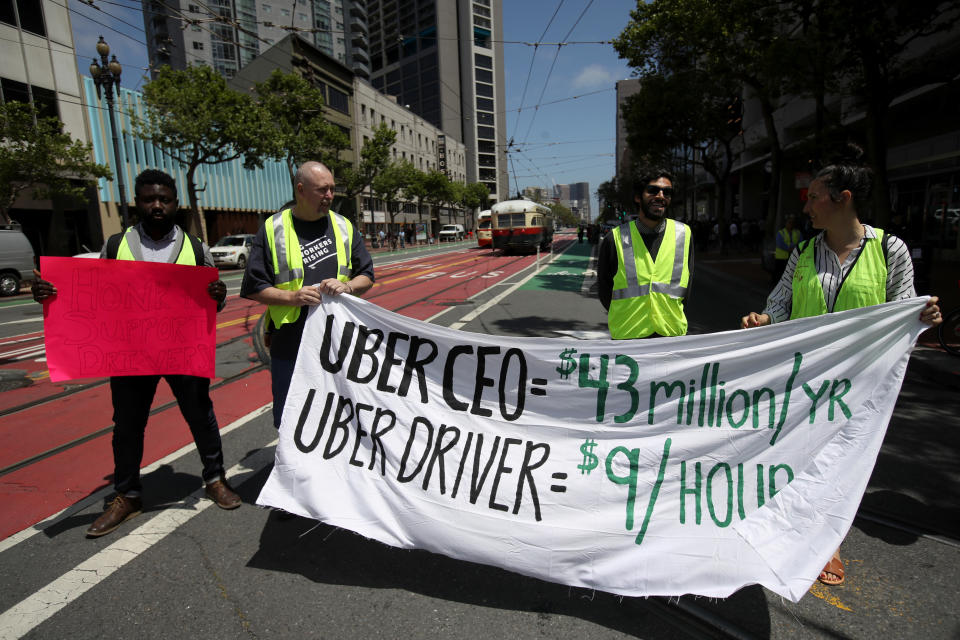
(595, 75)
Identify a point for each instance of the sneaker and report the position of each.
(119, 511)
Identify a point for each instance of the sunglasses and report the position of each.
(652, 190)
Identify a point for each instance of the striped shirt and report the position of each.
(832, 274)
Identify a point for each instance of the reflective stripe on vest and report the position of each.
(864, 285)
(647, 296)
(130, 248)
(288, 261)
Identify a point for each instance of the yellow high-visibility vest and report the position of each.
(647, 295)
(864, 286)
(288, 261)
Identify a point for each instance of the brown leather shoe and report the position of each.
(119, 511)
(221, 493)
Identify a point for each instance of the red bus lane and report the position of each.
(420, 289)
(55, 444)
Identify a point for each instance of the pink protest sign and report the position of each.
(125, 318)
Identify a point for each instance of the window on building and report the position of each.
(484, 76)
(337, 100)
(198, 46)
(481, 11)
(30, 13)
(482, 61)
(486, 146)
(485, 104)
(302, 17)
(285, 12)
(481, 22)
(485, 160)
(481, 37)
(484, 90)
(267, 8)
(486, 132)
(192, 8)
(485, 118)
(45, 100)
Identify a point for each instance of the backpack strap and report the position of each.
(113, 245)
(197, 248)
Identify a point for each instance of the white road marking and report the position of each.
(500, 296)
(190, 448)
(24, 321)
(30, 612)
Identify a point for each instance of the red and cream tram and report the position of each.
(521, 225)
(484, 233)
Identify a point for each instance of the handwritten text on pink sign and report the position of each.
(124, 318)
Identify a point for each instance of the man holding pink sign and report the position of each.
(156, 239)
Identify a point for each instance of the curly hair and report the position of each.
(154, 176)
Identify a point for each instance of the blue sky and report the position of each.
(568, 138)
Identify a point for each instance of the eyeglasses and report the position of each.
(652, 190)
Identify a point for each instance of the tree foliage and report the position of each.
(195, 119)
(294, 110)
(389, 183)
(564, 214)
(35, 155)
(374, 157)
(823, 49)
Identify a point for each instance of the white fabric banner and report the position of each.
(697, 464)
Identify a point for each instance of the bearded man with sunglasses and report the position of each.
(645, 266)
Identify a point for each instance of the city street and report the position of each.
(185, 567)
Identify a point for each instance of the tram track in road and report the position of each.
(433, 293)
(105, 430)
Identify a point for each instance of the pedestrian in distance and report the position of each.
(156, 238)
(787, 240)
(848, 265)
(300, 254)
(645, 266)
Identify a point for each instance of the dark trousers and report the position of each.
(132, 396)
(281, 373)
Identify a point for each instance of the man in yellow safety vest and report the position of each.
(157, 238)
(300, 253)
(645, 266)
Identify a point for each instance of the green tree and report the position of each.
(614, 196)
(389, 183)
(195, 119)
(294, 110)
(36, 155)
(563, 213)
(374, 157)
(415, 190)
(734, 43)
(687, 109)
(438, 188)
(475, 196)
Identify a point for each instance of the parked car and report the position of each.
(451, 232)
(16, 259)
(232, 251)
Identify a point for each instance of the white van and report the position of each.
(451, 232)
(16, 259)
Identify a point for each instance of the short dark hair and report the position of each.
(647, 176)
(154, 176)
(849, 173)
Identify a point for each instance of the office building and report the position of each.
(444, 60)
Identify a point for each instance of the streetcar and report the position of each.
(521, 225)
(484, 237)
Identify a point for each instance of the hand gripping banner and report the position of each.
(697, 464)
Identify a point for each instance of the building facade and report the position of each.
(444, 60)
(39, 67)
(228, 35)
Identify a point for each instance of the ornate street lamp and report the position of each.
(107, 75)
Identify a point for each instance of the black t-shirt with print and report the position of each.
(318, 248)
